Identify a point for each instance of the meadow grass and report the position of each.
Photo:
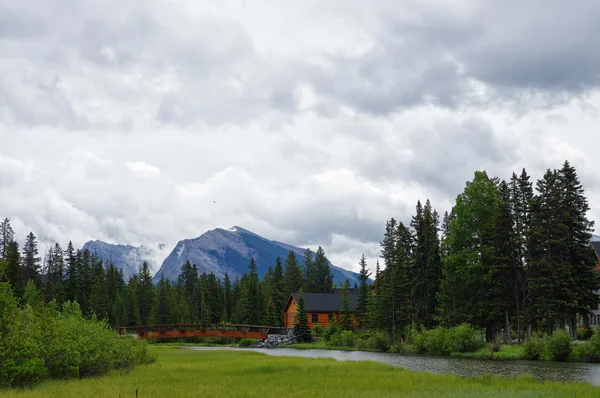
(226, 373)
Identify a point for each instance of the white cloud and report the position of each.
(310, 123)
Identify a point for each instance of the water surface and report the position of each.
(540, 370)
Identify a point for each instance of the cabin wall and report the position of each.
(290, 315)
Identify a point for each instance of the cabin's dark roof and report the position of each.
(328, 302)
(596, 246)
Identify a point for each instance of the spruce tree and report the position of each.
(31, 260)
(502, 273)
(7, 236)
(580, 256)
(145, 292)
(54, 289)
(345, 319)
(310, 283)
(279, 293)
(301, 328)
(322, 275)
(14, 270)
(363, 291)
(71, 277)
(293, 280)
(465, 289)
(99, 293)
(548, 274)
(227, 299)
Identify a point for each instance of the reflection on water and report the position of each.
(541, 370)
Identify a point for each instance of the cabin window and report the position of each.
(315, 318)
(330, 317)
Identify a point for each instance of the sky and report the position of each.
(309, 122)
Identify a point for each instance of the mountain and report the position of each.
(230, 250)
(126, 257)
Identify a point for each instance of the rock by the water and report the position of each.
(274, 340)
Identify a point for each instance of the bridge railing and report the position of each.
(202, 327)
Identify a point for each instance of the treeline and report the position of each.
(101, 289)
(505, 258)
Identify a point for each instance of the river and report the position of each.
(540, 370)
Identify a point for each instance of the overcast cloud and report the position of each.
(310, 123)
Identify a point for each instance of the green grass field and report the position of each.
(187, 373)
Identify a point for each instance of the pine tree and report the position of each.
(31, 260)
(322, 275)
(227, 299)
(465, 289)
(293, 280)
(345, 319)
(310, 283)
(548, 274)
(363, 291)
(271, 316)
(279, 294)
(99, 292)
(502, 273)
(71, 278)
(301, 328)
(7, 236)
(54, 289)
(14, 270)
(521, 197)
(580, 256)
(145, 291)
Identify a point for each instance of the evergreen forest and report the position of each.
(510, 257)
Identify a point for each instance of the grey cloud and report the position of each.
(442, 157)
(432, 55)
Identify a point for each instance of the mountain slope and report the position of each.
(125, 257)
(230, 251)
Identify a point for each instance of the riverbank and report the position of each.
(506, 352)
(221, 373)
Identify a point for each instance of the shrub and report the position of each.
(330, 330)
(463, 338)
(558, 346)
(317, 330)
(245, 343)
(589, 351)
(585, 334)
(377, 341)
(533, 347)
(348, 338)
(432, 341)
(46, 343)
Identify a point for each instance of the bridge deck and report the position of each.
(203, 330)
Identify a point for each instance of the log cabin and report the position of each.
(596, 246)
(321, 308)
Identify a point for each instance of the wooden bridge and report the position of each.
(202, 330)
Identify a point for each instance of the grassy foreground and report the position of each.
(187, 373)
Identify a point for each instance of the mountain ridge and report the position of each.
(218, 250)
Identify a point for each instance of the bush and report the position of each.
(377, 341)
(343, 338)
(317, 330)
(245, 343)
(588, 351)
(584, 334)
(533, 347)
(558, 346)
(463, 338)
(331, 330)
(432, 341)
(46, 343)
